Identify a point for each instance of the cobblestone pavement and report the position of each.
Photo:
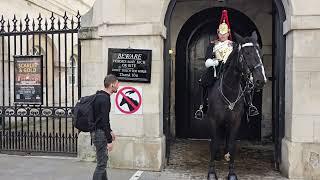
(189, 161)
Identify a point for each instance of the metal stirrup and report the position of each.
(199, 113)
(253, 111)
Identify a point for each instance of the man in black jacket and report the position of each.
(103, 136)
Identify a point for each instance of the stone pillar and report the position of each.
(301, 144)
(140, 142)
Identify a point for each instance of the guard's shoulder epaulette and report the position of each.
(214, 41)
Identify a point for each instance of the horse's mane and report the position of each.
(252, 40)
(232, 57)
(248, 39)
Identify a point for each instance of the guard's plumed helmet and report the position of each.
(224, 26)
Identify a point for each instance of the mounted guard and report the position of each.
(216, 56)
(239, 70)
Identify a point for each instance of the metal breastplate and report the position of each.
(222, 50)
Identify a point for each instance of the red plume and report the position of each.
(224, 17)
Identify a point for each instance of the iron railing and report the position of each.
(44, 127)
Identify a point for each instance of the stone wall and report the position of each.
(123, 24)
(301, 145)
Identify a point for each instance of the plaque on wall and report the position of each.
(28, 79)
(130, 65)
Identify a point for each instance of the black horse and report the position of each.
(226, 98)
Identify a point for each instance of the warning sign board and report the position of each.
(128, 100)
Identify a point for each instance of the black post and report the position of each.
(167, 79)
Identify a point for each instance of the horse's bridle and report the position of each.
(258, 54)
(260, 64)
(249, 84)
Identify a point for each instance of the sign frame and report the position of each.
(145, 53)
(39, 87)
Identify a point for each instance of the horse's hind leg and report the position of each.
(214, 145)
(230, 156)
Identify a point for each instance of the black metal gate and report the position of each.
(44, 126)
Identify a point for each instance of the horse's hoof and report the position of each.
(232, 176)
(212, 176)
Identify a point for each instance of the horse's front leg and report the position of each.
(230, 156)
(214, 145)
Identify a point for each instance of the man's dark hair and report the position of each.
(109, 79)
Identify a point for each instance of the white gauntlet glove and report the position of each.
(213, 63)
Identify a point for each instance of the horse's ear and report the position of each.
(254, 36)
(238, 37)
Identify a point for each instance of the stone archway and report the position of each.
(192, 9)
(294, 115)
(169, 111)
(171, 39)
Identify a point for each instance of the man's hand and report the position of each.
(113, 136)
(109, 146)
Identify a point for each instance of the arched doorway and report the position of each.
(192, 43)
(278, 81)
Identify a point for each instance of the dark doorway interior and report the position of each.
(191, 45)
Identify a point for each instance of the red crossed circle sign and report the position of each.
(134, 105)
